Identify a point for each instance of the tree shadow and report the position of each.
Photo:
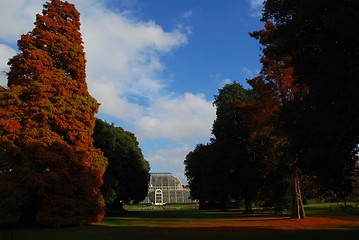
(195, 233)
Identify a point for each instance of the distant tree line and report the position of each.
(299, 121)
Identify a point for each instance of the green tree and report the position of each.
(223, 169)
(127, 174)
(46, 124)
(208, 177)
(232, 144)
(321, 123)
(226, 168)
(193, 171)
(230, 167)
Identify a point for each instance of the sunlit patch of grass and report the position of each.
(332, 209)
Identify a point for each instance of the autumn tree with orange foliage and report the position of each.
(52, 172)
(274, 87)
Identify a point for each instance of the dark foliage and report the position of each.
(127, 174)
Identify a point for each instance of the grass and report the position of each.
(183, 222)
(332, 209)
(220, 233)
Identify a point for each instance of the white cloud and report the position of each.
(5, 53)
(187, 14)
(16, 18)
(171, 160)
(116, 105)
(220, 80)
(124, 60)
(185, 119)
(249, 73)
(256, 8)
(125, 55)
(256, 4)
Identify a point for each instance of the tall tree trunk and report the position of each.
(120, 206)
(223, 204)
(248, 207)
(297, 208)
(201, 204)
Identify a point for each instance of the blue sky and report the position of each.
(155, 65)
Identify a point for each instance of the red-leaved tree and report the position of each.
(274, 86)
(51, 169)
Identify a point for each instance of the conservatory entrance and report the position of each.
(158, 197)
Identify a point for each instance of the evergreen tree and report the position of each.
(231, 140)
(204, 179)
(47, 120)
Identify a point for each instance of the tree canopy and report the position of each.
(228, 169)
(322, 122)
(127, 175)
(53, 172)
(300, 121)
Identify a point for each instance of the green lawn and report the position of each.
(139, 223)
(333, 209)
(144, 233)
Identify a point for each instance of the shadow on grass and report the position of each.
(149, 225)
(189, 214)
(159, 233)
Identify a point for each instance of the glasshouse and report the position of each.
(165, 188)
